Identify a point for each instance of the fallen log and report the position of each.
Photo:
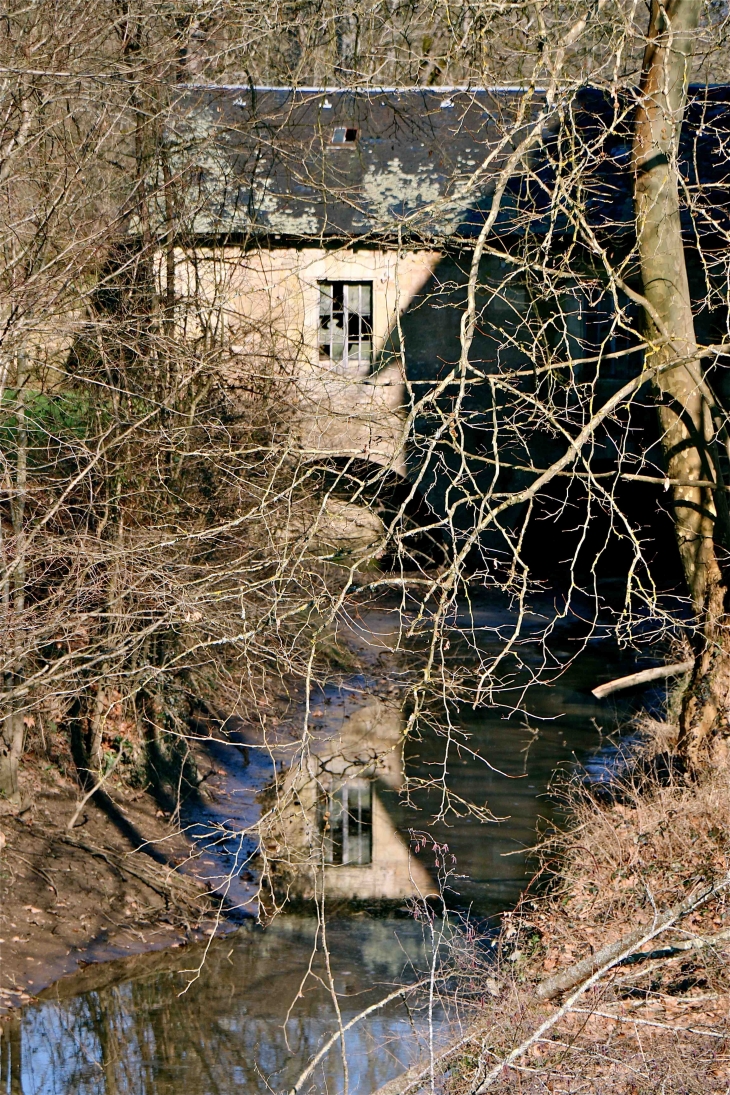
(645, 676)
(573, 975)
(662, 954)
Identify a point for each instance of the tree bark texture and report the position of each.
(12, 728)
(685, 408)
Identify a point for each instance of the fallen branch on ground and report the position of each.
(36, 870)
(584, 975)
(618, 952)
(573, 975)
(648, 1023)
(677, 948)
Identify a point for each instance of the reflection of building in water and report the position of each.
(345, 818)
(336, 827)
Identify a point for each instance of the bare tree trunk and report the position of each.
(685, 408)
(13, 727)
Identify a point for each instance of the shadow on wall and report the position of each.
(473, 442)
(453, 444)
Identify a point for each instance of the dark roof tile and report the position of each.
(261, 161)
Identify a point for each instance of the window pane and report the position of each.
(358, 299)
(325, 298)
(359, 822)
(330, 823)
(337, 336)
(365, 300)
(325, 319)
(345, 320)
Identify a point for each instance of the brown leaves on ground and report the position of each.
(623, 860)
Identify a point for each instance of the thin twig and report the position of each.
(648, 1023)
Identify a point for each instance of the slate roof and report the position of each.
(267, 161)
(277, 162)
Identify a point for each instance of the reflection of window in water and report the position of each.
(346, 322)
(346, 823)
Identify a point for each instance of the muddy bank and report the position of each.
(144, 867)
(105, 889)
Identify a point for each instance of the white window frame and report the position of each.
(346, 307)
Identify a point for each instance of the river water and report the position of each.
(246, 1012)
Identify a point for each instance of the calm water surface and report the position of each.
(251, 1018)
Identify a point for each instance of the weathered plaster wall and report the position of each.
(265, 304)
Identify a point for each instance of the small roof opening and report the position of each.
(344, 135)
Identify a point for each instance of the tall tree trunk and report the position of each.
(12, 731)
(685, 405)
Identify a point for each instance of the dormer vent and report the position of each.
(344, 135)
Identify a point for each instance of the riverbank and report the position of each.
(107, 888)
(133, 876)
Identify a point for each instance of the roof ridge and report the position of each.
(436, 89)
